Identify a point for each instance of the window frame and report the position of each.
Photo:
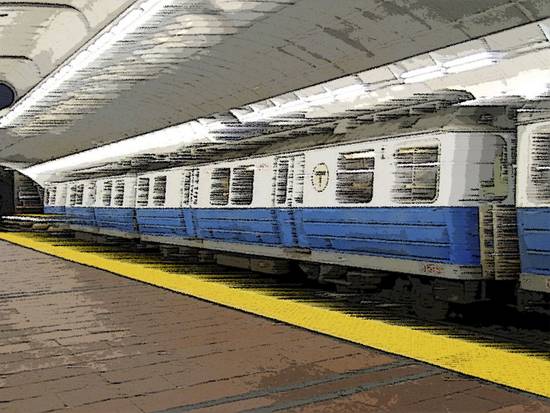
(117, 185)
(107, 193)
(414, 168)
(236, 188)
(79, 195)
(160, 183)
(215, 191)
(340, 172)
(140, 202)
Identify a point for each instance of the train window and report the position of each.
(79, 195)
(219, 189)
(142, 198)
(189, 187)
(355, 177)
(107, 193)
(53, 195)
(118, 197)
(417, 174)
(283, 168)
(539, 187)
(299, 170)
(92, 189)
(242, 187)
(186, 179)
(72, 195)
(159, 190)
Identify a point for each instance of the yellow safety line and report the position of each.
(527, 372)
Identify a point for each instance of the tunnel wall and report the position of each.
(19, 194)
(7, 195)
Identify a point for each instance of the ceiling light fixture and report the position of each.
(128, 23)
(422, 74)
(471, 62)
(172, 137)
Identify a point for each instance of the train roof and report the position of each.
(379, 125)
(535, 111)
(453, 119)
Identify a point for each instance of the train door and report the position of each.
(288, 196)
(499, 246)
(189, 198)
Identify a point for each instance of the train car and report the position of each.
(79, 205)
(55, 195)
(114, 206)
(429, 196)
(533, 202)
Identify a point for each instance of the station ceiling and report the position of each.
(189, 62)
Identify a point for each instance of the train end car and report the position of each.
(533, 202)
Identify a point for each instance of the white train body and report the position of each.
(420, 195)
(413, 201)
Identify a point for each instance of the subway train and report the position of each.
(422, 205)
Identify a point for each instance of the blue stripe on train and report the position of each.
(257, 225)
(49, 209)
(447, 235)
(122, 219)
(164, 221)
(534, 240)
(81, 216)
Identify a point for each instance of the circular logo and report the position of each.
(319, 178)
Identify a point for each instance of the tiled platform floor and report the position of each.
(73, 338)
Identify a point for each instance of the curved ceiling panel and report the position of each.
(40, 33)
(37, 35)
(197, 58)
(19, 71)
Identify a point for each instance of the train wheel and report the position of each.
(424, 304)
(310, 270)
(401, 290)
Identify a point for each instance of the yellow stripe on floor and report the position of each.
(523, 371)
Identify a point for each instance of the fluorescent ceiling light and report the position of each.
(422, 74)
(472, 62)
(301, 104)
(424, 77)
(296, 105)
(320, 99)
(129, 22)
(172, 137)
(272, 112)
(462, 64)
(352, 91)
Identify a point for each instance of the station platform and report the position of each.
(83, 339)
